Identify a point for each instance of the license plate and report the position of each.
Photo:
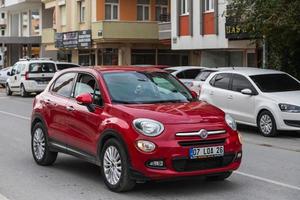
(216, 151)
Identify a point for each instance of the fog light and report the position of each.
(145, 146)
(157, 164)
(239, 156)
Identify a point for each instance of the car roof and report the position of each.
(108, 69)
(249, 71)
(185, 68)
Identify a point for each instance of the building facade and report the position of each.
(201, 27)
(109, 32)
(21, 25)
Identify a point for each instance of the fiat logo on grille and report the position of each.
(203, 133)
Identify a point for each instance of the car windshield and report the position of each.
(276, 82)
(145, 88)
(203, 75)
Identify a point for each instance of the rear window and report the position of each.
(204, 75)
(65, 66)
(42, 68)
(275, 82)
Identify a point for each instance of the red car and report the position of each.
(137, 124)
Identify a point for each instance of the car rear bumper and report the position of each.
(33, 86)
(177, 163)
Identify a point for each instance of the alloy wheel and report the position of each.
(39, 143)
(112, 165)
(266, 124)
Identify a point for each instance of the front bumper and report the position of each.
(288, 121)
(177, 163)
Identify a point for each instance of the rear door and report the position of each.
(41, 72)
(217, 94)
(15, 78)
(55, 103)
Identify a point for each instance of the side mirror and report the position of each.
(194, 94)
(8, 74)
(84, 99)
(247, 91)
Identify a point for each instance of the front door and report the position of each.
(83, 124)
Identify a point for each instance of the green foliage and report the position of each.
(278, 21)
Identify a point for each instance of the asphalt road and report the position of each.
(270, 169)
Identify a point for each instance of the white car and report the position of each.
(268, 99)
(30, 76)
(186, 74)
(3, 75)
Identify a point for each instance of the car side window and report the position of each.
(181, 75)
(240, 82)
(63, 84)
(87, 84)
(14, 70)
(192, 73)
(222, 81)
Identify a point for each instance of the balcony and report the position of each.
(124, 30)
(15, 5)
(48, 36)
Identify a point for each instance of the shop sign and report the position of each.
(234, 31)
(75, 39)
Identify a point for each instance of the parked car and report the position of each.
(4, 76)
(138, 124)
(268, 99)
(29, 76)
(186, 74)
(201, 78)
(65, 65)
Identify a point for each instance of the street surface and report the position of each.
(270, 169)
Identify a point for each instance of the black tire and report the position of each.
(8, 91)
(219, 177)
(48, 157)
(125, 183)
(267, 124)
(23, 91)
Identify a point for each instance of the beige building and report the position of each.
(109, 32)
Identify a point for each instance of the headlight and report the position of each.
(289, 108)
(148, 127)
(231, 122)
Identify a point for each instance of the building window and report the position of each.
(161, 10)
(63, 18)
(184, 7)
(143, 10)
(111, 9)
(209, 5)
(3, 15)
(2, 32)
(81, 11)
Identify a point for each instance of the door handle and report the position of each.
(49, 102)
(211, 92)
(230, 97)
(70, 108)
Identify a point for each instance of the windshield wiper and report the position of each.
(122, 102)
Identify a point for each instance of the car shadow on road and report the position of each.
(254, 131)
(191, 186)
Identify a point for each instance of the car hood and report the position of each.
(176, 113)
(292, 97)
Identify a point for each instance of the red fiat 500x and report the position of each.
(137, 124)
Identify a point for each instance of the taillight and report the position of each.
(26, 76)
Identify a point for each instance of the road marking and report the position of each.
(3, 197)
(268, 180)
(14, 115)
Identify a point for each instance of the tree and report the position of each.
(278, 21)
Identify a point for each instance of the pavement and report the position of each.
(270, 169)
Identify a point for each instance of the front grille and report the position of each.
(201, 142)
(293, 123)
(186, 165)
